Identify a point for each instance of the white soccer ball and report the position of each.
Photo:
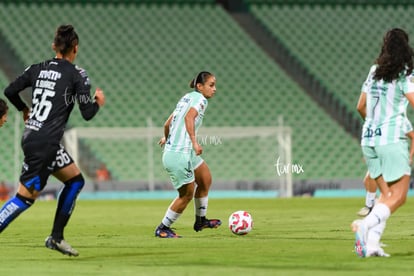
(240, 222)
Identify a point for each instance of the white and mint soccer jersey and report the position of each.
(408, 127)
(178, 139)
(386, 120)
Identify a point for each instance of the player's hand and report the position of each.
(26, 114)
(197, 149)
(99, 97)
(162, 141)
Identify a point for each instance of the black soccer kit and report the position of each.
(56, 85)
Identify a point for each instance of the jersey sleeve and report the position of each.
(199, 104)
(87, 106)
(408, 127)
(12, 91)
(409, 88)
(368, 81)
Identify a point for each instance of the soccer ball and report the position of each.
(240, 222)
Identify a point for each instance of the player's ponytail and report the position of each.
(3, 107)
(65, 39)
(396, 56)
(200, 78)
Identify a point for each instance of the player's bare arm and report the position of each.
(99, 97)
(167, 123)
(362, 105)
(26, 113)
(189, 125)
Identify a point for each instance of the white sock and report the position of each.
(200, 206)
(380, 213)
(374, 235)
(170, 217)
(370, 199)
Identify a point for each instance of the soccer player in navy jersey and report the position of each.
(56, 84)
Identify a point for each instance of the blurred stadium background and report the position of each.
(298, 64)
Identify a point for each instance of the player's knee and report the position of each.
(26, 200)
(186, 192)
(76, 182)
(187, 198)
(26, 192)
(402, 199)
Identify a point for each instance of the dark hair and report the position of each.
(200, 78)
(396, 56)
(65, 39)
(3, 107)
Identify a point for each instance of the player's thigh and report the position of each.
(67, 172)
(400, 187)
(372, 161)
(186, 191)
(36, 165)
(394, 160)
(203, 175)
(196, 160)
(201, 171)
(178, 167)
(64, 167)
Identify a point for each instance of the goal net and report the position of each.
(240, 158)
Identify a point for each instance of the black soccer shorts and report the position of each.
(40, 161)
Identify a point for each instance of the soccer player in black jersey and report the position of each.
(56, 85)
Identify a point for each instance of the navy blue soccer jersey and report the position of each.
(56, 85)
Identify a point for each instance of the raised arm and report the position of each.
(88, 106)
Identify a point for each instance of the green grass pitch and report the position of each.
(300, 236)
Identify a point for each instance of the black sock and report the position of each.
(200, 219)
(66, 204)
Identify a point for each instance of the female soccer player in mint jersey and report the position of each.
(188, 172)
(371, 185)
(55, 84)
(385, 95)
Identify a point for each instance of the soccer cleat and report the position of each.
(62, 246)
(364, 211)
(165, 232)
(376, 252)
(361, 234)
(206, 223)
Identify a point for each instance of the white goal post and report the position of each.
(258, 147)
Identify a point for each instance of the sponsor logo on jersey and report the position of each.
(49, 75)
(34, 124)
